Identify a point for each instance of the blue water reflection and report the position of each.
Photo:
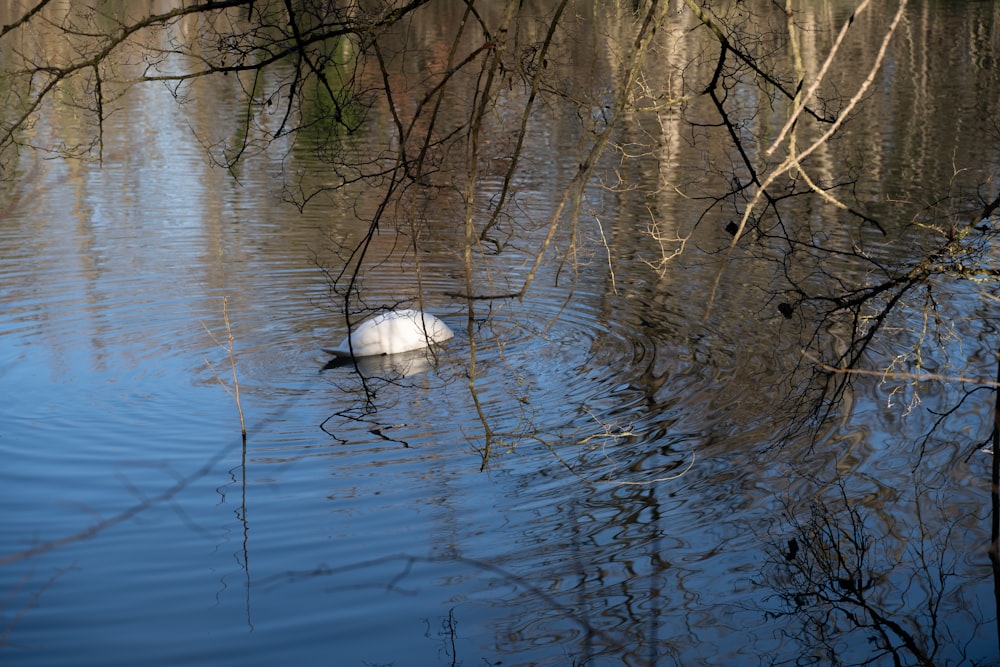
(603, 485)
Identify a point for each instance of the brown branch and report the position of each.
(24, 19)
(887, 375)
(793, 160)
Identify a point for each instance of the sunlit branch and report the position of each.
(727, 46)
(529, 105)
(793, 160)
(574, 190)
(899, 375)
(804, 100)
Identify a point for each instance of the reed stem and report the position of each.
(232, 363)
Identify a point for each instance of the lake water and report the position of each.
(597, 473)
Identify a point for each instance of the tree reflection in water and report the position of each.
(774, 193)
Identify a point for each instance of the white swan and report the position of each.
(393, 332)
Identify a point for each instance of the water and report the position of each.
(611, 481)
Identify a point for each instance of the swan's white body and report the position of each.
(391, 333)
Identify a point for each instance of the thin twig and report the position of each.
(804, 100)
(889, 375)
(235, 392)
(232, 363)
(793, 161)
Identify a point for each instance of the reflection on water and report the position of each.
(608, 483)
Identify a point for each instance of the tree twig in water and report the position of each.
(230, 340)
(889, 375)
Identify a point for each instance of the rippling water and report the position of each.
(601, 485)
(355, 523)
(376, 526)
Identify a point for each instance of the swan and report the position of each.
(392, 332)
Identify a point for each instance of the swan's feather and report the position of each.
(391, 333)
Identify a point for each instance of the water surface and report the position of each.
(621, 494)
